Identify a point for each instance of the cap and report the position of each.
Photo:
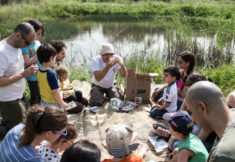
(180, 121)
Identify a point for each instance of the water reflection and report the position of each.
(145, 38)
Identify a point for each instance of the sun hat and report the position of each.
(180, 121)
(120, 140)
(106, 48)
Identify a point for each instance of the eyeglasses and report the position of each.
(25, 40)
(65, 133)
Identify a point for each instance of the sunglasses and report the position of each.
(25, 40)
(65, 133)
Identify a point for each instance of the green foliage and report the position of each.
(223, 76)
(79, 74)
(57, 30)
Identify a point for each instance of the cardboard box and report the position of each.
(138, 85)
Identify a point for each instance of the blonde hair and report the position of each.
(61, 70)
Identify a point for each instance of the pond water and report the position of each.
(142, 38)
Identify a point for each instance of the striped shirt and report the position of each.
(10, 152)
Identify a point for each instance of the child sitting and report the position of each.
(47, 78)
(120, 140)
(191, 147)
(82, 151)
(49, 151)
(69, 94)
(168, 103)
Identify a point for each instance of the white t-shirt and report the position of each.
(11, 62)
(98, 65)
(170, 96)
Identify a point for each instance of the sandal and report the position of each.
(161, 125)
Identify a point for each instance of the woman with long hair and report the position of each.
(42, 123)
(186, 61)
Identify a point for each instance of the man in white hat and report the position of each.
(104, 68)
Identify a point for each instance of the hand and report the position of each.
(110, 64)
(170, 142)
(30, 71)
(65, 94)
(160, 101)
(118, 61)
(154, 94)
(158, 107)
(64, 105)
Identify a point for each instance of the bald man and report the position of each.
(12, 74)
(206, 103)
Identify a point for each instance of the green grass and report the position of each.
(223, 76)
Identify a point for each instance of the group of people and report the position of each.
(199, 120)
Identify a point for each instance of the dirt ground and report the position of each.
(92, 126)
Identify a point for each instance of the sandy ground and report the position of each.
(92, 126)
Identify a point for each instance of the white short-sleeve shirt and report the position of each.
(11, 62)
(98, 65)
(170, 96)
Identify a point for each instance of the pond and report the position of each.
(144, 38)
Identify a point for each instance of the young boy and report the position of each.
(168, 103)
(191, 148)
(120, 140)
(69, 94)
(49, 151)
(47, 78)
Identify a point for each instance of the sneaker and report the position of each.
(161, 125)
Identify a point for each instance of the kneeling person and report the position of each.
(104, 68)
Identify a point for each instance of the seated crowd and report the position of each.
(200, 124)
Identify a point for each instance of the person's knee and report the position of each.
(153, 113)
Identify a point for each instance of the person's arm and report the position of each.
(183, 106)
(58, 98)
(122, 69)
(165, 105)
(99, 75)
(5, 81)
(184, 155)
(203, 135)
(170, 142)
(155, 93)
(29, 61)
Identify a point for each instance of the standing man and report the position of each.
(104, 68)
(12, 76)
(60, 48)
(206, 103)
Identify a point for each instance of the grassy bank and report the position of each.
(51, 9)
(46, 9)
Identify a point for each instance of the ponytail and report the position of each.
(40, 119)
(33, 116)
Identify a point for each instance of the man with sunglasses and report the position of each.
(12, 74)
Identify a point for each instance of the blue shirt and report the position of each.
(9, 150)
(48, 81)
(26, 51)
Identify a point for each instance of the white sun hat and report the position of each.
(106, 48)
